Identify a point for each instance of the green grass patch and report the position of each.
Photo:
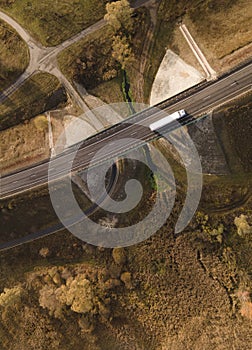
(109, 91)
(52, 22)
(14, 55)
(39, 93)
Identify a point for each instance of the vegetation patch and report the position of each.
(38, 94)
(52, 22)
(72, 292)
(14, 55)
(90, 61)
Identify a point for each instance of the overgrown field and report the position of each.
(89, 60)
(14, 56)
(39, 93)
(186, 292)
(52, 22)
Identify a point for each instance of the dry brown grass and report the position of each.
(222, 32)
(14, 56)
(52, 22)
(21, 145)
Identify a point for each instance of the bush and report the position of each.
(41, 122)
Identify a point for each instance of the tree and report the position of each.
(121, 51)
(48, 300)
(119, 16)
(11, 296)
(41, 122)
(243, 227)
(77, 293)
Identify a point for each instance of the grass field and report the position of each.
(38, 94)
(228, 27)
(14, 56)
(52, 22)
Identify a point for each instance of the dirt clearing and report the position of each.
(173, 76)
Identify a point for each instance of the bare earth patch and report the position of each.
(173, 76)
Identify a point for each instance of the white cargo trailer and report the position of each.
(168, 119)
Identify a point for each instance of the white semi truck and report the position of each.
(168, 119)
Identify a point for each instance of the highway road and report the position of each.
(198, 103)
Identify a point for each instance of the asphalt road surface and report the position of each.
(198, 103)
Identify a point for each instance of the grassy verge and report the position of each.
(228, 26)
(14, 56)
(167, 15)
(52, 22)
(235, 145)
(38, 94)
